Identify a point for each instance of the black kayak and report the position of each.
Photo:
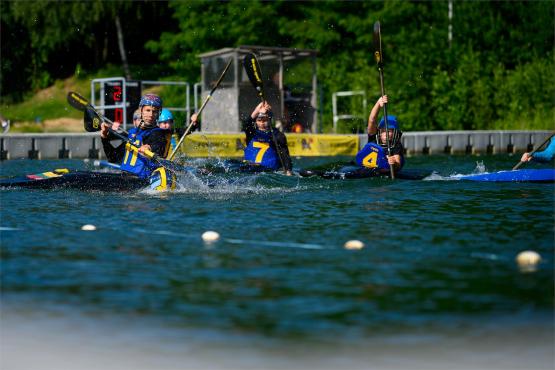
(357, 172)
(232, 166)
(81, 180)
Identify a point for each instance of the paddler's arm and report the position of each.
(373, 118)
(249, 127)
(113, 154)
(105, 132)
(545, 155)
(284, 152)
(156, 142)
(250, 122)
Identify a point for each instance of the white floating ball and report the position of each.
(528, 260)
(354, 244)
(88, 227)
(210, 236)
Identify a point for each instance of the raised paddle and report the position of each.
(200, 110)
(535, 150)
(255, 77)
(95, 119)
(378, 55)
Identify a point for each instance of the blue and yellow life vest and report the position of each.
(372, 155)
(260, 152)
(133, 161)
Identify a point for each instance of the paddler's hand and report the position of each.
(263, 107)
(526, 157)
(117, 127)
(394, 161)
(194, 119)
(256, 110)
(382, 101)
(288, 173)
(104, 130)
(144, 148)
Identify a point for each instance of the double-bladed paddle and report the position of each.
(250, 63)
(93, 123)
(378, 55)
(201, 109)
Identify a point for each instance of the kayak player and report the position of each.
(544, 156)
(266, 146)
(373, 159)
(374, 155)
(137, 118)
(165, 122)
(147, 136)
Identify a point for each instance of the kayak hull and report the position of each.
(525, 175)
(357, 172)
(80, 180)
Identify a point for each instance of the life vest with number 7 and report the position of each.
(260, 152)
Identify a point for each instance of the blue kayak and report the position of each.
(530, 175)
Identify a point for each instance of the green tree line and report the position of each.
(484, 65)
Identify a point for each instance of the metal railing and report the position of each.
(337, 117)
(98, 86)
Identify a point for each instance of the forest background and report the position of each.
(482, 65)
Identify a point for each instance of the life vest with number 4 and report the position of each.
(260, 152)
(372, 155)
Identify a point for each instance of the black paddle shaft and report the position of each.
(208, 97)
(250, 63)
(378, 55)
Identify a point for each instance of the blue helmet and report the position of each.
(392, 124)
(152, 100)
(165, 115)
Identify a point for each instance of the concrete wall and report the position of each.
(469, 142)
(88, 145)
(50, 146)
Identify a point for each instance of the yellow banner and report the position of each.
(300, 145)
(310, 145)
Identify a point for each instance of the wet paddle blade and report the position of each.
(378, 44)
(77, 101)
(250, 63)
(92, 120)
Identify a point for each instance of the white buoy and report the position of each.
(210, 236)
(88, 227)
(354, 244)
(528, 260)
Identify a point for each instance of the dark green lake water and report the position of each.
(436, 284)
